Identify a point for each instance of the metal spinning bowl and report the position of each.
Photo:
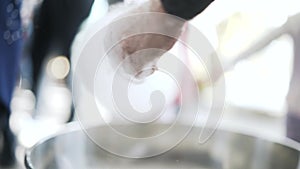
(72, 149)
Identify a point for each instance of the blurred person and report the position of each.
(55, 25)
(10, 52)
(290, 27)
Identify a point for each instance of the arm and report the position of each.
(256, 46)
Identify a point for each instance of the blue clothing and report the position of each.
(10, 47)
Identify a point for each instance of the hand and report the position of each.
(139, 51)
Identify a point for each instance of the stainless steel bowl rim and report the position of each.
(75, 126)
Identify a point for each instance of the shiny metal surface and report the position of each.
(225, 150)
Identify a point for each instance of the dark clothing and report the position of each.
(7, 157)
(56, 23)
(186, 9)
(10, 53)
(293, 126)
(10, 47)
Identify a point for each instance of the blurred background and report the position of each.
(256, 85)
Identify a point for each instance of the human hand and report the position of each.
(138, 50)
